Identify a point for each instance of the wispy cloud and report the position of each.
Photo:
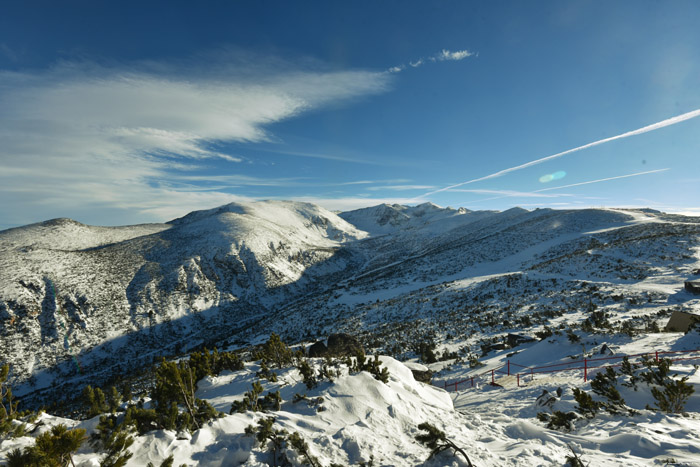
(91, 137)
(447, 55)
(443, 55)
(400, 187)
(645, 129)
(510, 193)
(349, 203)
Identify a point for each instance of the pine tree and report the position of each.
(273, 439)
(276, 352)
(53, 448)
(436, 440)
(94, 401)
(673, 395)
(300, 446)
(115, 399)
(8, 406)
(114, 439)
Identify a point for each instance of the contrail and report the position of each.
(646, 129)
(583, 183)
(602, 180)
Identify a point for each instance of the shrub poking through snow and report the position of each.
(671, 394)
(302, 448)
(207, 363)
(94, 401)
(266, 373)
(604, 385)
(362, 363)
(275, 352)
(630, 370)
(8, 407)
(53, 448)
(114, 439)
(586, 405)
(558, 420)
(273, 439)
(574, 459)
(436, 440)
(176, 386)
(254, 403)
(308, 374)
(249, 401)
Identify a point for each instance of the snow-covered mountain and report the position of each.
(80, 300)
(112, 295)
(79, 304)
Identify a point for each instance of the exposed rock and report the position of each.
(514, 340)
(420, 372)
(341, 345)
(318, 349)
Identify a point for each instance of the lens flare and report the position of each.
(551, 177)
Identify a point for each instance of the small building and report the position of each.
(692, 286)
(681, 321)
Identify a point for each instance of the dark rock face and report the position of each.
(423, 376)
(341, 345)
(514, 340)
(318, 349)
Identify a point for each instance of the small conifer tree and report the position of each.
(54, 448)
(436, 440)
(301, 447)
(8, 407)
(272, 438)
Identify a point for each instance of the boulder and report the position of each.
(420, 372)
(318, 349)
(341, 345)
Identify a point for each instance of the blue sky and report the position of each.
(129, 112)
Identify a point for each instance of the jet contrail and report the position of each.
(582, 183)
(602, 180)
(646, 129)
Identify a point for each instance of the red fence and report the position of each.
(585, 365)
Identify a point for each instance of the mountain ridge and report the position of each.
(119, 293)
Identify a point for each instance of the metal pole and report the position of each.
(585, 370)
(508, 367)
(493, 377)
(518, 375)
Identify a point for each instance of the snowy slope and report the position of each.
(115, 297)
(66, 288)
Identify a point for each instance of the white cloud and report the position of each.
(84, 137)
(458, 55)
(400, 187)
(350, 203)
(444, 55)
(510, 193)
